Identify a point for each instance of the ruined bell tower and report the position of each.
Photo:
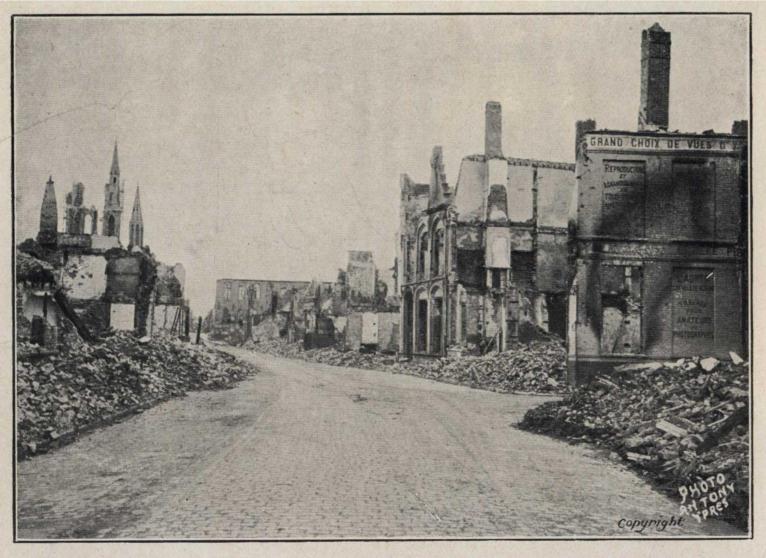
(655, 79)
(49, 215)
(113, 200)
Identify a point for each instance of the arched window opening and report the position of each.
(423, 254)
(436, 321)
(421, 322)
(437, 254)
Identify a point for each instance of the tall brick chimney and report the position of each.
(493, 130)
(655, 79)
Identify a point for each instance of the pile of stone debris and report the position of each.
(676, 422)
(61, 394)
(537, 367)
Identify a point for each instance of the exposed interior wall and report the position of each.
(470, 190)
(122, 316)
(163, 316)
(33, 304)
(552, 261)
(520, 193)
(84, 276)
(124, 277)
(554, 196)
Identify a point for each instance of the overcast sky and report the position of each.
(267, 147)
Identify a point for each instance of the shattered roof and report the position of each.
(29, 268)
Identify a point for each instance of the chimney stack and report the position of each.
(739, 128)
(493, 130)
(582, 127)
(655, 79)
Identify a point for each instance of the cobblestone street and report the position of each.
(311, 451)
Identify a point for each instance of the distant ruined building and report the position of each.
(81, 221)
(76, 214)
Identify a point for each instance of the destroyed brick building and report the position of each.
(361, 275)
(238, 299)
(484, 263)
(354, 310)
(661, 235)
(106, 285)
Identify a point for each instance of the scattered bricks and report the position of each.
(671, 421)
(536, 367)
(61, 394)
(709, 364)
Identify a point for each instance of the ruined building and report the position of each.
(136, 235)
(106, 285)
(361, 275)
(113, 191)
(660, 243)
(237, 300)
(483, 263)
(81, 221)
(77, 215)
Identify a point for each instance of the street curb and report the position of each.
(22, 454)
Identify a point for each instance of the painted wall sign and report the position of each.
(693, 310)
(624, 197)
(623, 142)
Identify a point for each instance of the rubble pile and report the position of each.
(62, 393)
(676, 422)
(537, 367)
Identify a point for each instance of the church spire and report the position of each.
(115, 170)
(112, 215)
(136, 222)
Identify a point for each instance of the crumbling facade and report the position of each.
(77, 214)
(104, 284)
(238, 299)
(483, 263)
(660, 244)
(361, 275)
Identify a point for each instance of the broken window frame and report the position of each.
(422, 263)
(628, 300)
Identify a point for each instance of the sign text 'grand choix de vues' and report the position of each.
(664, 142)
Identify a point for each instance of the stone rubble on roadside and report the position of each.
(537, 367)
(673, 421)
(89, 383)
